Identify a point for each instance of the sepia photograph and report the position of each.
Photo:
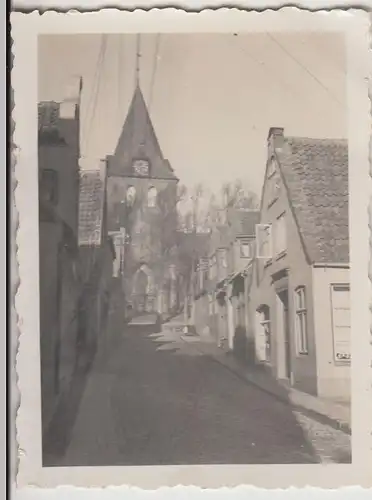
(192, 244)
(194, 249)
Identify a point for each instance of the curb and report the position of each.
(315, 415)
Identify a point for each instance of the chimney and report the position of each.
(69, 107)
(276, 137)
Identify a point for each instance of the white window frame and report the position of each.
(280, 224)
(300, 317)
(268, 229)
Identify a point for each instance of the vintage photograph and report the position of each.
(194, 249)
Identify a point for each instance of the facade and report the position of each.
(141, 201)
(299, 311)
(220, 280)
(58, 158)
(97, 254)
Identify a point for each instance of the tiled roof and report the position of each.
(315, 172)
(138, 141)
(91, 204)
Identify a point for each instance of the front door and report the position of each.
(286, 335)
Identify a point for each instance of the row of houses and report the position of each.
(76, 254)
(274, 285)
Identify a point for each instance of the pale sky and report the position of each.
(214, 97)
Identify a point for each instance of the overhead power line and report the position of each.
(305, 68)
(97, 86)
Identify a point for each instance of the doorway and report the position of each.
(283, 296)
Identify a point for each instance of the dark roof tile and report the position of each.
(91, 204)
(315, 172)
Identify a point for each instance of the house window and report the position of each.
(340, 297)
(280, 235)
(49, 186)
(151, 197)
(300, 321)
(264, 241)
(245, 249)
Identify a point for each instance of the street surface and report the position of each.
(153, 399)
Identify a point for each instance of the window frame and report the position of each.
(300, 320)
(269, 241)
(281, 219)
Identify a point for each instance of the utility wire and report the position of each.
(120, 68)
(152, 80)
(154, 70)
(95, 78)
(305, 68)
(98, 86)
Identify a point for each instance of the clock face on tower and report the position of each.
(141, 167)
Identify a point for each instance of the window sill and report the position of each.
(303, 353)
(281, 255)
(271, 203)
(268, 263)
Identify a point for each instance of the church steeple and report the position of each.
(138, 141)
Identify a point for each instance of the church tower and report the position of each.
(141, 198)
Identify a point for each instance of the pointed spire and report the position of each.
(138, 141)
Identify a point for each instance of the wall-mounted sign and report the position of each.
(340, 299)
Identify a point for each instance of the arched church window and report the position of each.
(151, 197)
(131, 195)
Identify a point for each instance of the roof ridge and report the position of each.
(333, 140)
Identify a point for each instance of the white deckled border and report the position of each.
(24, 30)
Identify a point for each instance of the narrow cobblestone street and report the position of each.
(151, 398)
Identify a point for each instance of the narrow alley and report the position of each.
(152, 398)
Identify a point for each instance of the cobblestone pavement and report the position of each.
(331, 445)
(154, 399)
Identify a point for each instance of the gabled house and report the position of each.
(300, 295)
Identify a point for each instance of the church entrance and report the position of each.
(144, 299)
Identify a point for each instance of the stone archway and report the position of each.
(144, 289)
